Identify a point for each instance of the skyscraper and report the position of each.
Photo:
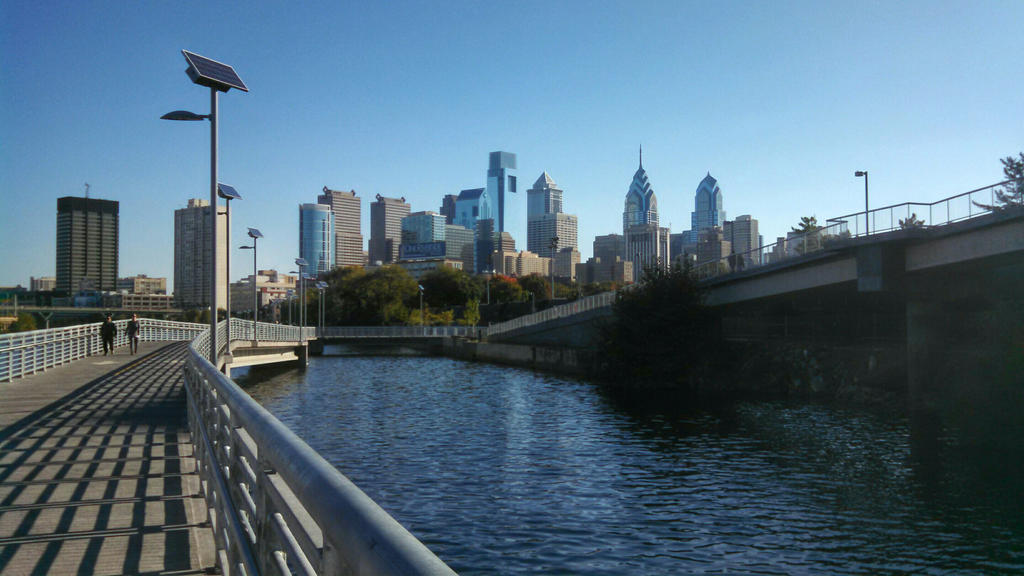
(641, 203)
(316, 238)
(610, 247)
(708, 212)
(544, 198)
(87, 243)
(501, 181)
(348, 234)
(742, 234)
(448, 208)
(423, 227)
(472, 205)
(192, 254)
(386, 228)
(545, 219)
(646, 242)
(541, 229)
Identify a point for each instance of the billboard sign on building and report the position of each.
(421, 251)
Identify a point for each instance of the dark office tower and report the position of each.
(501, 180)
(386, 228)
(87, 243)
(448, 208)
(348, 233)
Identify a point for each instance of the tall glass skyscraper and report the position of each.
(641, 203)
(316, 237)
(708, 211)
(501, 180)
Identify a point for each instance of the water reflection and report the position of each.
(504, 471)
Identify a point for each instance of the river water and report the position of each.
(506, 471)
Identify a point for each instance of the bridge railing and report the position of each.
(395, 331)
(601, 300)
(25, 353)
(277, 505)
(907, 215)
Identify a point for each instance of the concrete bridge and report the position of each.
(951, 290)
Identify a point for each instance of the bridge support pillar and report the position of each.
(302, 353)
(924, 349)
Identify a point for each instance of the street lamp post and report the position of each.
(255, 235)
(321, 286)
(554, 247)
(218, 77)
(858, 174)
(301, 263)
(228, 193)
(423, 321)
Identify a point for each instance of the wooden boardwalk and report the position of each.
(96, 469)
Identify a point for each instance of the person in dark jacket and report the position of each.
(107, 332)
(132, 330)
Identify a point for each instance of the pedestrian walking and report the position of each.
(132, 330)
(107, 332)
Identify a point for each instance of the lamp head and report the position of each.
(860, 173)
(184, 115)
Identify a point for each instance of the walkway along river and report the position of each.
(507, 471)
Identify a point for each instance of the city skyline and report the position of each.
(791, 101)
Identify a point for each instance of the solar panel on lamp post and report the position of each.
(218, 77)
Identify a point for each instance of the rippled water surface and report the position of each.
(507, 471)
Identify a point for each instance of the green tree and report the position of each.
(809, 235)
(911, 222)
(355, 297)
(505, 289)
(472, 313)
(659, 333)
(1010, 193)
(538, 285)
(447, 287)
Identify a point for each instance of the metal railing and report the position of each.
(601, 300)
(907, 215)
(277, 506)
(26, 353)
(395, 331)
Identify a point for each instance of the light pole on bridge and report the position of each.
(858, 174)
(218, 77)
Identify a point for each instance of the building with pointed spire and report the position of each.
(544, 198)
(641, 203)
(647, 244)
(548, 230)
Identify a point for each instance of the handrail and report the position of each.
(280, 506)
(26, 353)
(588, 303)
(396, 331)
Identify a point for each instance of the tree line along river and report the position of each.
(507, 471)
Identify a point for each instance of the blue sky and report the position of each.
(780, 101)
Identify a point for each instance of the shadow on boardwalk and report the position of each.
(101, 479)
